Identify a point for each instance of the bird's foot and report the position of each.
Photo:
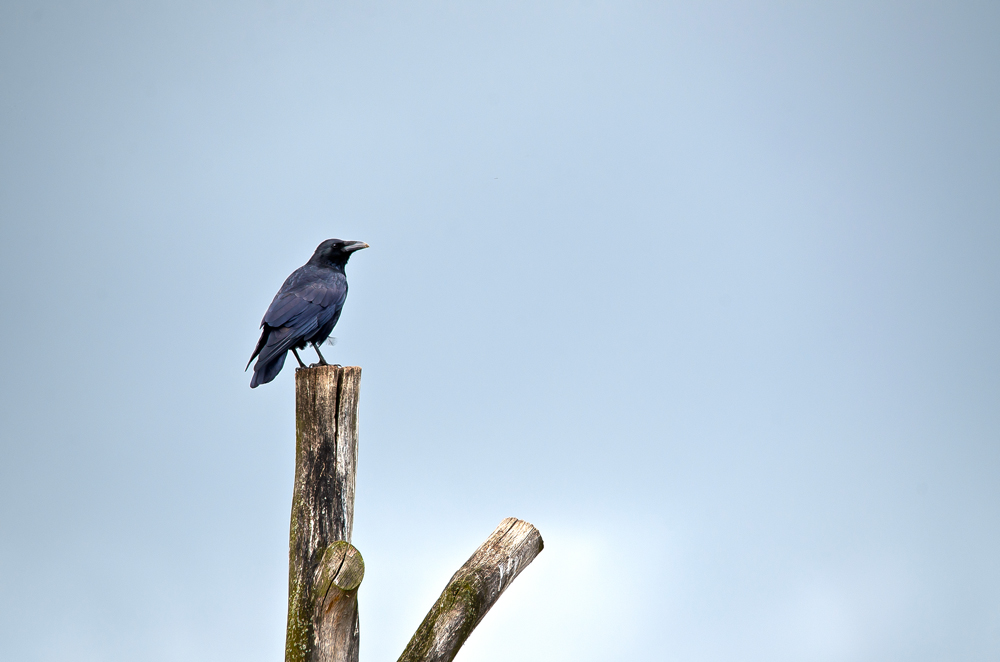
(319, 365)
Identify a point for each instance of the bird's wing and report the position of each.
(305, 302)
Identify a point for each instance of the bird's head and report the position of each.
(337, 251)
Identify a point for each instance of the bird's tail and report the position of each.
(263, 373)
(271, 350)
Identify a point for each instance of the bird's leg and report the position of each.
(301, 364)
(322, 361)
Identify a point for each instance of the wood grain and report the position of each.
(322, 565)
(473, 590)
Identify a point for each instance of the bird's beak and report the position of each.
(355, 246)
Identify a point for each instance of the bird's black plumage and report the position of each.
(305, 309)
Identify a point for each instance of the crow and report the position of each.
(305, 309)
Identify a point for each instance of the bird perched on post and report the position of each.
(305, 309)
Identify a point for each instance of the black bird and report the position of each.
(305, 309)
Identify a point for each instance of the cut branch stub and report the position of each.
(472, 591)
(324, 626)
(335, 616)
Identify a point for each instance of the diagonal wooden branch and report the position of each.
(473, 590)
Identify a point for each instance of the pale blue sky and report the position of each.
(709, 293)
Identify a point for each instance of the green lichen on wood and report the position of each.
(460, 601)
(299, 632)
(299, 628)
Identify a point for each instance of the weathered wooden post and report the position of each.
(324, 569)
